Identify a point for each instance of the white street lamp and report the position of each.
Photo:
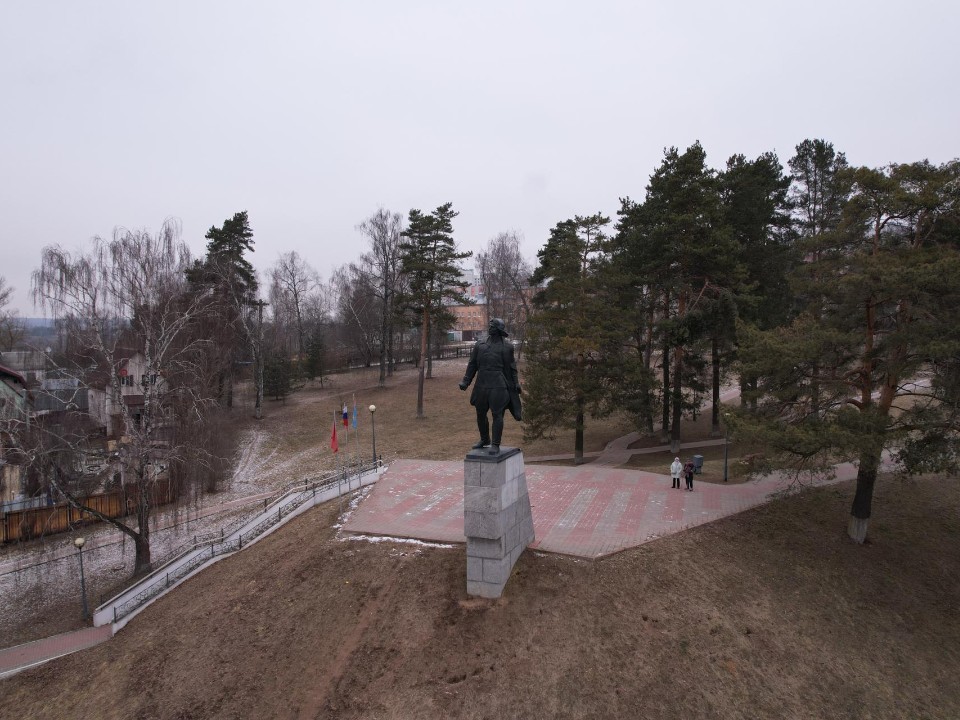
(78, 544)
(373, 426)
(726, 443)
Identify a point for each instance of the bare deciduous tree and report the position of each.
(292, 283)
(357, 311)
(128, 297)
(383, 230)
(11, 330)
(505, 276)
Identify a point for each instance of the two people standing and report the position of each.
(677, 469)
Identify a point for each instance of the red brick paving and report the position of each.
(587, 511)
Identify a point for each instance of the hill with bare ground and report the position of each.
(773, 613)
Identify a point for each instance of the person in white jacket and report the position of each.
(676, 469)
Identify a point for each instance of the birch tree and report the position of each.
(382, 263)
(292, 283)
(10, 328)
(126, 295)
(505, 277)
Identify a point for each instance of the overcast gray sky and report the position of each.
(310, 115)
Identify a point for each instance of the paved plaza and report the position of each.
(586, 511)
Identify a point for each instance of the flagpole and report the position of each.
(337, 470)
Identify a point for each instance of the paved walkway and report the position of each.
(586, 511)
(20, 657)
(618, 451)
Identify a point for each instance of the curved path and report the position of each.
(618, 451)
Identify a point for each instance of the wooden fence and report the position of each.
(35, 522)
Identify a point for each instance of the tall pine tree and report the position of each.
(757, 212)
(430, 259)
(677, 246)
(226, 271)
(871, 363)
(572, 341)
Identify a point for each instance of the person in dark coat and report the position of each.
(688, 474)
(497, 386)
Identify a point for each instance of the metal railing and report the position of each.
(222, 542)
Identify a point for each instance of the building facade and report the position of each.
(14, 420)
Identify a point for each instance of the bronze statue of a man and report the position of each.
(497, 387)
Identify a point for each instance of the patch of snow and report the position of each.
(384, 538)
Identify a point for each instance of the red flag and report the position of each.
(333, 439)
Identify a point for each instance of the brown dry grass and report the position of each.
(769, 614)
(446, 431)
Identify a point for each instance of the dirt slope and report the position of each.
(771, 614)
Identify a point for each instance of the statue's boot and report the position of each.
(481, 444)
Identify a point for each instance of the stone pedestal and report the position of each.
(496, 518)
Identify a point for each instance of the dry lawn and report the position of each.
(769, 614)
(447, 430)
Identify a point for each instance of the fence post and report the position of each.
(168, 579)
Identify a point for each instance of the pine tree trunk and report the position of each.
(857, 529)
(423, 362)
(677, 400)
(715, 414)
(578, 438)
(665, 415)
(862, 506)
(429, 350)
(665, 420)
(647, 359)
